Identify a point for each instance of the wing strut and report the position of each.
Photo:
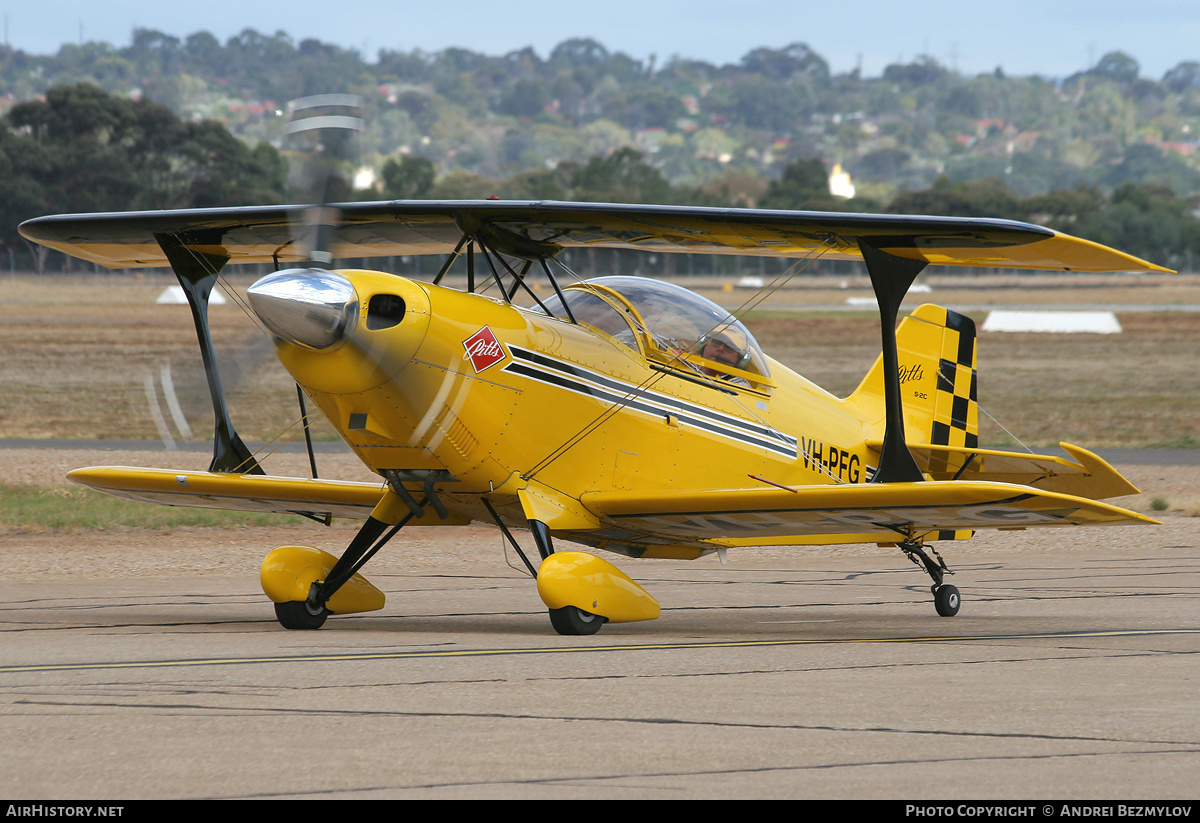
(518, 277)
(197, 273)
(891, 278)
(450, 260)
(558, 291)
(494, 241)
(312, 457)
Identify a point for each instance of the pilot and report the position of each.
(720, 348)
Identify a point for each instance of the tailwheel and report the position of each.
(946, 600)
(573, 621)
(945, 597)
(298, 614)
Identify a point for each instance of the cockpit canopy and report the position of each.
(674, 326)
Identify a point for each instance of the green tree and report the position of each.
(762, 103)
(622, 177)
(528, 98)
(977, 198)
(804, 185)
(1063, 208)
(1147, 164)
(23, 164)
(653, 108)
(1184, 76)
(218, 169)
(542, 184)
(922, 71)
(409, 178)
(463, 185)
(82, 150)
(1146, 220)
(784, 64)
(1118, 67)
(85, 135)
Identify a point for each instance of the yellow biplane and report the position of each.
(618, 413)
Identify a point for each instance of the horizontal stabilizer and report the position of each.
(244, 492)
(1087, 476)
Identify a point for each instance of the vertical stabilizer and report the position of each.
(936, 351)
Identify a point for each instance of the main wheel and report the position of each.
(572, 621)
(946, 600)
(297, 615)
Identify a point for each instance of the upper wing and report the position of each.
(264, 234)
(880, 512)
(243, 492)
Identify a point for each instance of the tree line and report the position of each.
(1148, 220)
(697, 122)
(81, 149)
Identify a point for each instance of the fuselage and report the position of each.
(491, 398)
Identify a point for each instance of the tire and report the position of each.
(946, 600)
(296, 615)
(573, 622)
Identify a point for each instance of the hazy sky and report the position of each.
(1049, 37)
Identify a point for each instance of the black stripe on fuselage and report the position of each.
(656, 397)
(574, 378)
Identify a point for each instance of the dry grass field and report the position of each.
(77, 353)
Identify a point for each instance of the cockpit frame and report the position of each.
(685, 324)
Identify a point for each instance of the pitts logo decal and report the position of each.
(483, 350)
(911, 373)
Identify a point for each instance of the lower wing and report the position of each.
(244, 492)
(883, 512)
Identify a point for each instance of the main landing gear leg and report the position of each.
(361, 549)
(311, 612)
(569, 620)
(946, 598)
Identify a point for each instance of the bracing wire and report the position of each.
(227, 286)
(979, 406)
(282, 438)
(1006, 431)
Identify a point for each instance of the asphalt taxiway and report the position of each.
(1069, 673)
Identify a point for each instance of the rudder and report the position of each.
(956, 403)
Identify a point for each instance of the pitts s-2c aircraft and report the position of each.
(621, 413)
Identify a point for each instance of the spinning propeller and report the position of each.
(310, 305)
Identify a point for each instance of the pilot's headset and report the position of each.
(733, 336)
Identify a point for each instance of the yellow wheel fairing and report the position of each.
(596, 586)
(289, 572)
